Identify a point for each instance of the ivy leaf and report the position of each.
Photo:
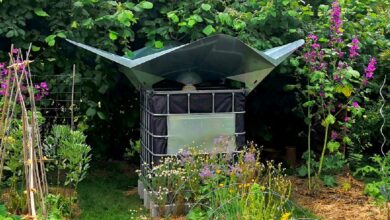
(146, 5)
(208, 30)
(113, 35)
(206, 7)
(40, 12)
(333, 146)
(51, 40)
(158, 44)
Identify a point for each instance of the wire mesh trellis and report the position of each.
(62, 104)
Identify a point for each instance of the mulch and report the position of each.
(346, 201)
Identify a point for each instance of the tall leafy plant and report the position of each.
(335, 85)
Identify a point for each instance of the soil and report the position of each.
(343, 202)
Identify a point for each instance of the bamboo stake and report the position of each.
(72, 99)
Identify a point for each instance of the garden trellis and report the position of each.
(195, 92)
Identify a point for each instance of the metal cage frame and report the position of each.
(147, 154)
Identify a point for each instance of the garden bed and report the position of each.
(345, 201)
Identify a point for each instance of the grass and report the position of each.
(109, 193)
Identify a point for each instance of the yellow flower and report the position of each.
(286, 216)
(218, 171)
(253, 180)
(239, 186)
(9, 140)
(221, 185)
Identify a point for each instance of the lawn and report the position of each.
(109, 192)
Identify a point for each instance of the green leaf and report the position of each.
(302, 171)
(173, 17)
(91, 112)
(51, 40)
(101, 115)
(35, 48)
(309, 103)
(225, 18)
(317, 76)
(329, 181)
(78, 4)
(329, 120)
(208, 30)
(10, 34)
(333, 146)
(158, 44)
(285, 2)
(113, 35)
(103, 88)
(347, 141)
(206, 7)
(292, 30)
(61, 35)
(352, 72)
(40, 12)
(146, 5)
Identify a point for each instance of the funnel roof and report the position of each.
(211, 58)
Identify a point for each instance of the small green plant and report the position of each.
(58, 207)
(70, 153)
(332, 164)
(4, 215)
(380, 188)
(133, 150)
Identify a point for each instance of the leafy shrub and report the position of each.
(71, 154)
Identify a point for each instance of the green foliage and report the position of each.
(380, 188)
(133, 150)
(58, 207)
(70, 152)
(122, 27)
(4, 215)
(332, 165)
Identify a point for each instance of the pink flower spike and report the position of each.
(355, 104)
(370, 68)
(346, 119)
(335, 18)
(354, 49)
